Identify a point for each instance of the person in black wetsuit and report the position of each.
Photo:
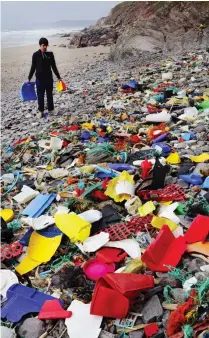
(43, 63)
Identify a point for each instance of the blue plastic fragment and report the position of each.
(206, 183)
(26, 237)
(38, 205)
(106, 171)
(165, 147)
(188, 136)
(192, 179)
(81, 185)
(27, 91)
(9, 150)
(133, 84)
(22, 300)
(50, 232)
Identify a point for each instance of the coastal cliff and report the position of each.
(153, 26)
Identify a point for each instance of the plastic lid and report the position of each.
(94, 269)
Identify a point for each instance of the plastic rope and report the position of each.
(181, 275)
(188, 331)
(203, 289)
(169, 299)
(90, 189)
(13, 184)
(14, 225)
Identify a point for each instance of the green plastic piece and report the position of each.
(180, 210)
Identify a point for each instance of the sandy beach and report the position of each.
(16, 61)
(77, 67)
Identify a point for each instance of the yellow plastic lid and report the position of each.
(7, 214)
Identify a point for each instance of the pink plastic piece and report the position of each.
(94, 269)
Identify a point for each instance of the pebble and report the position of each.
(179, 295)
(152, 310)
(170, 280)
(137, 334)
(31, 327)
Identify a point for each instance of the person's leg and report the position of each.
(49, 94)
(40, 93)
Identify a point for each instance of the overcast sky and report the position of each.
(29, 14)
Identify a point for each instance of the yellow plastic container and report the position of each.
(40, 250)
(73, 226)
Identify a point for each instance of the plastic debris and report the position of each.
(73, 226)
(105, 208)
(52, 309)
(157, 258)
(90, 327)
(119, 288)
(22, 300)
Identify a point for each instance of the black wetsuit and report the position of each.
(43, 64)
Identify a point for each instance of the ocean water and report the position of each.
(16, 38)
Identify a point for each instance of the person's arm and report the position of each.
(54, 67)
(33, 67)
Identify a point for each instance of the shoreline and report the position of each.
(78, 68)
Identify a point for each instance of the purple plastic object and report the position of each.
(160, 138)
(85, 135)
(94, 269)
(120, 166)
(102, 176)
(26, 237)
(102, 139)
(22, 300)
